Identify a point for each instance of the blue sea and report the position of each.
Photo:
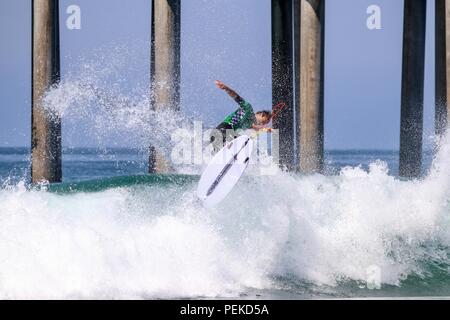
(112, 231)
(81, 164)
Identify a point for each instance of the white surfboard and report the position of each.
(224, 170)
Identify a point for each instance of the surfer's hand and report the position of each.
(228, 90)
(258, 127)
(220, 85)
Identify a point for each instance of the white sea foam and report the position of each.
(157, 241)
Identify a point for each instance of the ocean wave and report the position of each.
(157, 241)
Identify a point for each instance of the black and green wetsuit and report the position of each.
(241, 119)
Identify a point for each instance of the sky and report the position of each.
(228, 40)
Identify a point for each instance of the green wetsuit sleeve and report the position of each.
(247, 107)
(243, 117)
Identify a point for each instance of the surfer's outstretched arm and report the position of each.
(228, 90)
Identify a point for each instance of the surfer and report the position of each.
(243, 118)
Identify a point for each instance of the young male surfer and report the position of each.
(242, 118)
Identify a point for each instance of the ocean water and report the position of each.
(111, 231)
(80, 164)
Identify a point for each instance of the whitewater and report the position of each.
(300, 234)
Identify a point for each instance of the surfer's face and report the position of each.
(262, 119)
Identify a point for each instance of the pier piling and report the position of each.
(442, 45)
(282, 79)
(411, 127)
(309, 24)
(297, 80)
(165, 65)
(46, 127)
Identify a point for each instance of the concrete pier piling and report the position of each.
(411, 127)
(46, 127)
(282, 79)
(442, 43)
(165, 65)
(309, 24)
(297, 81)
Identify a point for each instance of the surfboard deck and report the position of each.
(224, 171)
